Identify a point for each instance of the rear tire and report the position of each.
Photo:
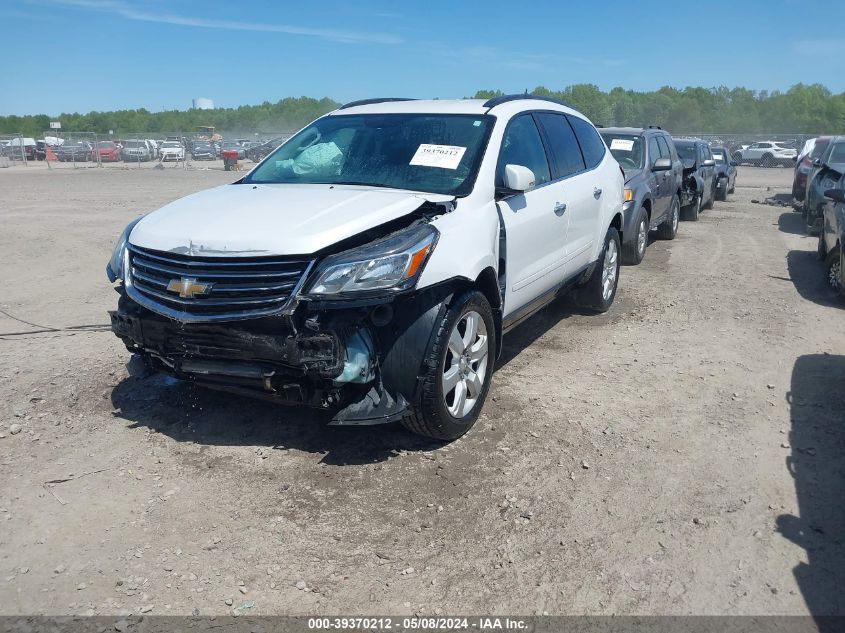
(668, 229)
(599, 291)
(634, 250)
(820, 249)
(456, 371)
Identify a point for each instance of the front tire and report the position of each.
(634, 251)
(820, 249)
(722, 192)
(457, 370)
(668, 229)
(833, 270)
(767, 161)
(693, 210)
(712, 198)
(599, 291)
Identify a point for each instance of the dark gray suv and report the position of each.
(653, 176)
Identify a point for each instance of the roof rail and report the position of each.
(654, 127)
(361, 102)
(492, 103)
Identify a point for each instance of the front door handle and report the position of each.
(597, 193)
(560, 208)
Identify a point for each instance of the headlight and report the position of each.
(391, 264)
(114, 269)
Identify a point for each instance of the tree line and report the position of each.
(803, 109)
(283, 116)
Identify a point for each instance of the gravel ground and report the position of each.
(681, 454)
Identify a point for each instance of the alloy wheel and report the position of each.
(642, 237)
(834, 274)
(609, 270)
(465, 366)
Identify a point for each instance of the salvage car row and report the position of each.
(370, 266)
(818, 191)
(133, 150)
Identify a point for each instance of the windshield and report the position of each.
(837, 154)
(135, 144)
(435, 153)
(686, 151)
(818, 149)
(170, 144)
(108, 144)
(627, 149)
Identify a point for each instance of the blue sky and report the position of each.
(82, 55)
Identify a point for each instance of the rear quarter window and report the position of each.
(592, 147)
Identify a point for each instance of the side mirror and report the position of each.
(837, 195)
(662, 164)
(519, 178)
(817, 162)
(709, 162)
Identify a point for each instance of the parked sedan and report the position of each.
(814, 149)
(725, 172)
(203, 151)
(78, 151)
(832, 237)
(826, 172)
(108, 151)
(172, 150)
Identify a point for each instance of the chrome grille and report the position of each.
(236, 287)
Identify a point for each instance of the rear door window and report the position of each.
(563, 147)
(592, 147)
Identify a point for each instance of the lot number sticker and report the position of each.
(623, 144)
(443, 156)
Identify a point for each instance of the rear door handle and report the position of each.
(597, 193)
(560, 208)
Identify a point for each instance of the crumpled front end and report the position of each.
(327, 360)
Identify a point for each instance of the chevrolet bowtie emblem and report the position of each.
(188, 288)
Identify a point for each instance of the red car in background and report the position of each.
(109, 152)
(804, 166)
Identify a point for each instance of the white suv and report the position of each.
(370, 265)
(766, 154)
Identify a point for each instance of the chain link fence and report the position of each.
(60, 149)
(16, 149)
(737, 143)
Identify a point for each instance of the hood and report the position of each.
(839, 168)
(275, 219)
(631, 174)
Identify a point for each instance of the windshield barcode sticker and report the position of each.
(623, 144)
(443, 156)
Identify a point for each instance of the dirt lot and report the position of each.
(681, 454)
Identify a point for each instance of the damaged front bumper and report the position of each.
(327, 361)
